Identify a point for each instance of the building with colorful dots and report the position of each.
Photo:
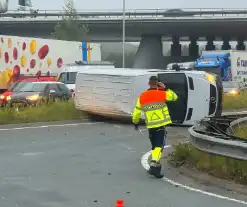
(24, 56)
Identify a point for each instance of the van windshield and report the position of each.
(67, 77)
(178, 83)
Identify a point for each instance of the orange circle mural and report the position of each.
(33, 47)
(9, 43)
(23, 61)
(49, 61)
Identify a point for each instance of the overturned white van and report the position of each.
(113, 92)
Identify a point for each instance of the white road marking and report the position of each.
(144, 162)
(31, 153)
(48, 126)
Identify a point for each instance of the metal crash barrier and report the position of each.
(216, 135)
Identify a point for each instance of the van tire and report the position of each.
(96, 118)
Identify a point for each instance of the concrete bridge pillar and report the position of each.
(176, 50)
(240, 45)
(210, 43)
(149, 53)
(226, 43)
(193, 47)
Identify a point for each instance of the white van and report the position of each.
(183, 65)
(113, 92)
(69, 71)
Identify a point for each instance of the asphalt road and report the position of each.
(86, 165)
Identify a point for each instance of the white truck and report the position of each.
(113, 92)
(24, 56)
(4, 4)
(231, 65)
(69, 71)
(22, 6)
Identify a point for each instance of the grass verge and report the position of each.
(235, 102)
(218, 166)
(241, 132)
(56, 111)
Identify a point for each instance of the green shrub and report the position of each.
(219, 166)
(52, 111)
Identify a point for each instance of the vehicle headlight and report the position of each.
(210, 77)
(8, 98)
(233, 92)
(2, 97)
(33, 98)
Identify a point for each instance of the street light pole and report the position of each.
(123, 40)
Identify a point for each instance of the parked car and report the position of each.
(35, 92)
(14, 88)
(233, 88)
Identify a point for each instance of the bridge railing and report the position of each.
(131, 14)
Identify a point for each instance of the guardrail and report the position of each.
(215, 135)
(130, 13)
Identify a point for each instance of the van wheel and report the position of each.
(96, 118)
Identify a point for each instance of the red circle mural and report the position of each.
(48, 74)
(16, 70)
(6, 57)
(32, 63)
(59, 62)
(24, 46)
(38, 74)
(43, 51)
(15, 53)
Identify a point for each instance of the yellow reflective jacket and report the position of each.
(153, 103)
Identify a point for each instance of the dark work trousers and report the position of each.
(157, 136)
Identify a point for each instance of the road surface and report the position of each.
(86, 165)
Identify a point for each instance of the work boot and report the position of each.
(151, 170)
(157, 171)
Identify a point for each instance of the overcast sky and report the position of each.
(134, 4)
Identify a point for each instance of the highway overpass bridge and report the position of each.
(149, 27)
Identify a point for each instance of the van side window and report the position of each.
(191, 83)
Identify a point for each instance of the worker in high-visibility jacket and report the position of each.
(153, 103)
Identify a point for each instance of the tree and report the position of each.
(70, 28)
